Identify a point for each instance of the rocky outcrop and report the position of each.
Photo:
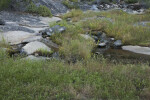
(15, 37)
(55, 6)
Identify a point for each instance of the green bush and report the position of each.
(69, 5)
(32, 8)
(44, 11)
(41, 10)
(131, 1)
(4, 4)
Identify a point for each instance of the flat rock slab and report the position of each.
(137, 49)
(25, 22)
(32, 47)
(15, 37)
(31, 39)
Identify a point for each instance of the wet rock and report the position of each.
(95, 38)
(2, 22)
(102, 45)
(117, 43)
(135, 6)
(34, 58)
(112, 39)
(137, 49)
(15, 37)
(103, 37)
(32, 47)
(99, 34)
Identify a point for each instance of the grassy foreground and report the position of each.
(91, 79)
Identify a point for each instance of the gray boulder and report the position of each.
(32, 47)
(50, 31)
(117, 43)
(15, 37)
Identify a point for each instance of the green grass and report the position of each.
(72, 13)
(43, 52)
(86, 79)
(122, 25)
(70, 6)
(148, 24)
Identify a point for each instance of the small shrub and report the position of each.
(72, 13)
(32, 8)
(69, 5)
(44, 11)
(94, 25)
(4, 4)
(131, 1)
(41, 10)
(76, 49)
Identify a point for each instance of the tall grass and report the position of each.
(87, 79)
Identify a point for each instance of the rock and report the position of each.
(34, 58)
(95, 38)
(87, 37)
(31, 39)
(137, 49)
(25, 22)
(2, 22)
(135, 6)
(117, 43)
(103, 37)
(15, 37)
(50, 44)
(47, 32)
(50, 31)
(58, 29)
(99, 34)
(32, 47)
(102, 44)
(112, 39)
(94, 7)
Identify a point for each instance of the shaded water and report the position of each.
(123, 56)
